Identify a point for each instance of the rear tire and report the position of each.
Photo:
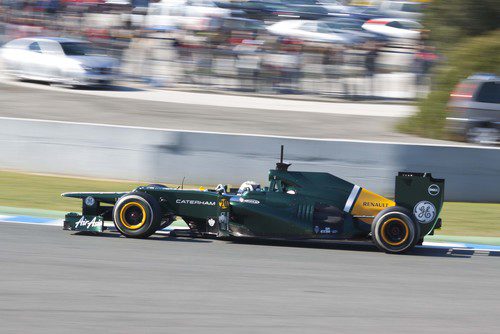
(394, 231)
(137, 215)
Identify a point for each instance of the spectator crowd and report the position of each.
(230, 52)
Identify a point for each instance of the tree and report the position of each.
(450, 21)
(467, 32)
(473, 55)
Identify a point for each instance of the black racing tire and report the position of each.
(137, 215)
(394, 231)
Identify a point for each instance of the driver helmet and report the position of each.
(248, 186)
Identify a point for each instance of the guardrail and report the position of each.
(118, 152)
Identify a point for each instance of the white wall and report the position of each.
(472, 174)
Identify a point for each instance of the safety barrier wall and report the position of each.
(471, 173)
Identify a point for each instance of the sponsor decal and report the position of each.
(224, 204)
(224, 221)
(194, 202)
(424, 212)
(211, 222)
(326, 230)
(376, 204)
(223, 218)
(251, 201)
(89, 201)
(83, 222)
(433, 190)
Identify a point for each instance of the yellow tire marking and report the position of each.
(383, 227)
(124, 221)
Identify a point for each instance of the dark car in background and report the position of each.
(235, 30)
(277, 9)
(254, 9)
(474, 110)
(363, 13)
(228, 24)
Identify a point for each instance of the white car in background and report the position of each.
(57, 60)
(394, 28)
(309, 30)
(187, 14)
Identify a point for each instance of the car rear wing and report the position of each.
(423, 195)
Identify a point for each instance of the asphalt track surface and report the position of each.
(38, 101)
(54, 281)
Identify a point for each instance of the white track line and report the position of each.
(465, 146)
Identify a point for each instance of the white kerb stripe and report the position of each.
(352, 197)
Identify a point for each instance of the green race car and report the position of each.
(295, 205)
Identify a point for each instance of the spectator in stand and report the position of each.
(333, 62)
(291, 65)
(248, 63)
(424, 59)
(371, 65)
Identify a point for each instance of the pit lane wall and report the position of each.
(471, 173)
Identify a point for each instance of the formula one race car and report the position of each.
(295, 205)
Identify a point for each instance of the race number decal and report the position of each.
(424, 212)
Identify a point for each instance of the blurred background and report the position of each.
(380, 78)
(381, 50)
(338, 49)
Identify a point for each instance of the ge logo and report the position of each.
(433, 190)
(89, 201)
(424, 212)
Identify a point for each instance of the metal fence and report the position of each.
(210, 60)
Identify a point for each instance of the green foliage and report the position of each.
(472, 55)
(450, 21)
(467, 33)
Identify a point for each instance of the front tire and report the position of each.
(137, 215)
(394, 231)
